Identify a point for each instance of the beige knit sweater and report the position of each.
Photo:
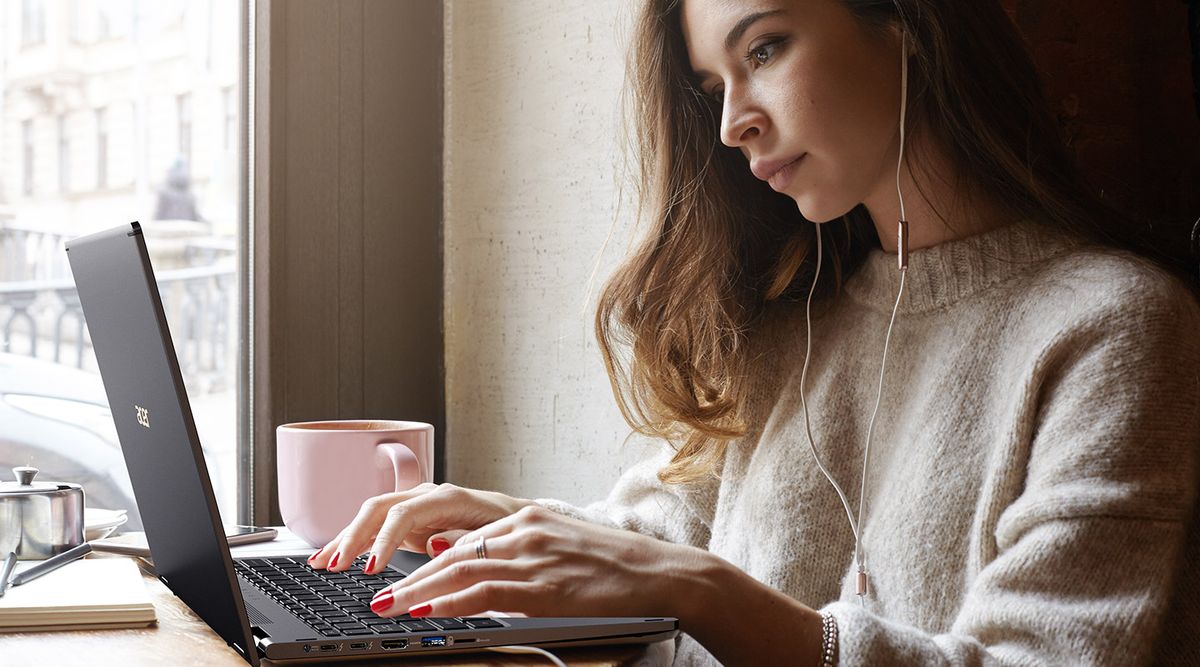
(1033, 470)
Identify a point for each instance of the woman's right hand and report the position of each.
(413, 520)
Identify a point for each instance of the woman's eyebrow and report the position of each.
(739, 29)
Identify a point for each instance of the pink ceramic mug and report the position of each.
(327, 469)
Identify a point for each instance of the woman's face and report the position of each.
(802, 83)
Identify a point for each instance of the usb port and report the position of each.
(328, 647)
(394, 644)
(438, 640)
(358, 646)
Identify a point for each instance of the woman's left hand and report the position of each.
(540, 563)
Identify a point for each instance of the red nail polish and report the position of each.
(313, 557)
(418, 611)
(370, 564)
(333, 563)
(381, 603)
(439, 545)
(386, 591)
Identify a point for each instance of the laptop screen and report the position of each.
(154, 423)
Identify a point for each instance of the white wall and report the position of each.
(533, 177)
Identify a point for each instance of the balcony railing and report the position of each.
(41, 317)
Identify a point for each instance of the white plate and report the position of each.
(100, 523)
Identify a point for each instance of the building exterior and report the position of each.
(113, 111)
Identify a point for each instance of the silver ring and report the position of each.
(481, 548)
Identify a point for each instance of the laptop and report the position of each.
(274, 608)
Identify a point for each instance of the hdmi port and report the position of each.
(394, 644)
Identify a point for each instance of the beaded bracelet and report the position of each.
(829, 640)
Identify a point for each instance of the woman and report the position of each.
(1005, 398)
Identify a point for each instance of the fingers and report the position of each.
(439, 542)
(422, 512)
(353, 539)
(495, 567)
(499, 547)
(322, 556)
(482, 597)
(462, 575)
(410, 519)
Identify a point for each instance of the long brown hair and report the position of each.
(674, 322)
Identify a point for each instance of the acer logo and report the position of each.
(143, 416)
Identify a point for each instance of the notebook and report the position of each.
(88, 594)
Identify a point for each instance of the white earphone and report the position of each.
(902, 254)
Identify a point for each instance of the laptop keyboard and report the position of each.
(339, 603)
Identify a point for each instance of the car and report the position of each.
(56, 418)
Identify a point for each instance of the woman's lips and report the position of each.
(765, 169)
(783, 175)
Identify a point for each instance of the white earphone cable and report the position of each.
(902, 249)
(804, 402)
(529, 649)
(903, 110)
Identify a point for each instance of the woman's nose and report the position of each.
(741, 119)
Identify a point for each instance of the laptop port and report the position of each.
(358, 646)
(328, 647)
(394, 644)
(439, 640)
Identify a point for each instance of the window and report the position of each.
(100, 105)
(33, 22)
(74, 21)
(101, 148)
(114, 18)
(64, 156)
(27, 157)
(183, 114)
(229, 104)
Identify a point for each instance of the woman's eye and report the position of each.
(761, 54)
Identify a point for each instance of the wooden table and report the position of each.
(181, 638)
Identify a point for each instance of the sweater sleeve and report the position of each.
(640, 502)
(1086, 555)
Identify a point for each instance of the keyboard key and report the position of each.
(389, 629)
(448, 623)
(417, 625)
(484, 622)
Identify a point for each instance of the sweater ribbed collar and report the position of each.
(941, 275)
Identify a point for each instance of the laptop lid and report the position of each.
(141, 376)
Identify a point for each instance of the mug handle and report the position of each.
(404, 463)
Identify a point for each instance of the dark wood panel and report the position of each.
(311, 210)
(402, 208)
(351, 225)
(348, 283)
